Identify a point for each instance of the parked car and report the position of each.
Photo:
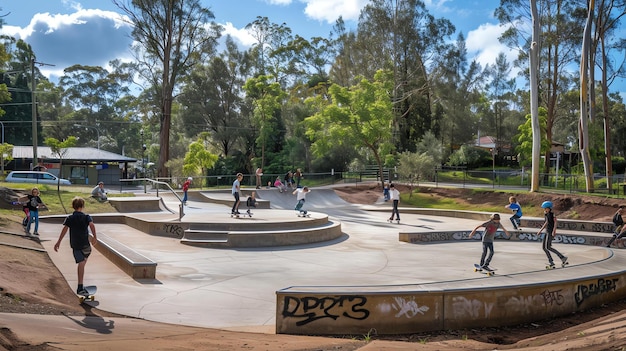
(35, 177)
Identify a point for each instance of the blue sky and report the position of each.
(89, 32)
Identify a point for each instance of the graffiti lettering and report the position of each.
(565, 239)
(175, 229)
(553, 297)
(311, 309)
(529, 237)
(408, 309)
(600, 287)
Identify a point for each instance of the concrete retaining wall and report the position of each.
(385, 310)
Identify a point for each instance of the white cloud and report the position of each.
(483, 44)
(330, 10)
(278, 2)
(240, 35)
(85, 37)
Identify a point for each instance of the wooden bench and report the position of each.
(128, 260)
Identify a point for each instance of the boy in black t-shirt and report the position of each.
(79, 225)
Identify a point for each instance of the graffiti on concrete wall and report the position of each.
(310, 308)
(173, 229)
(553, 297)
(463, 307)
(407, 308)
(580, 226)
(601, 286)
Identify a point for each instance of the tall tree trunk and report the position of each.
(534, 98)
(583, 125)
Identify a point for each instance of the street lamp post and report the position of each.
(97, 131)
(143, 161)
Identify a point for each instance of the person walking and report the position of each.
(491, 227)
(34, 203)
(394, 196)
(79, 224)
(186, 186)
(620, 228)
(516, 208)
(550, 226)
(236, 192)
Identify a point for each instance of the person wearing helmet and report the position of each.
(186, 186)
(550, 226)
(489, 234)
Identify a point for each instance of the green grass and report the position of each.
(429, 201)
(53, 199)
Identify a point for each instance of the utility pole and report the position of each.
(34, 105)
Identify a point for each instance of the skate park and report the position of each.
(344, 270)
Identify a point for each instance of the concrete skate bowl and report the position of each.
(316, 200)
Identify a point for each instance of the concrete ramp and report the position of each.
(316, 199)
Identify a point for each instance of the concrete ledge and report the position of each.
(526, 222)
(571, 237)
(131, 262)
(507, 300)
(137, 204)
(220, 239)
(226, 198)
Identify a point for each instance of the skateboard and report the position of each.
(391, 221)
(553, 266)
(303, 213)
(90, 295)
(487, 271)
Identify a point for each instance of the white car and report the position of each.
(35, 177)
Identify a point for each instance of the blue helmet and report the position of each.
(546, 204)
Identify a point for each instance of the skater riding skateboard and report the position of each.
(88, 293)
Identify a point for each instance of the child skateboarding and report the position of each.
(491, 227)
(251, 203)
(550, 225)
(235, 191)
(515, 207)
(79, 224)
(301, 197)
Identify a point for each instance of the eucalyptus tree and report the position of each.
(604, 45)
(560, 26)
(402, 37)
(271, 50)
(500, 90)
(171, 36)
(212, 98)
(458, 87)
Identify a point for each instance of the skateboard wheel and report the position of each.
(81, 299)
(92, 298)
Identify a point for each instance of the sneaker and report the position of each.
(564, 261)
(82, 291)
(35, 233)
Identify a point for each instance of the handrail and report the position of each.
(181, 213)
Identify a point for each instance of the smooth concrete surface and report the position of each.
(236, 288)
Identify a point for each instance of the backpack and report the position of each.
(617, 219)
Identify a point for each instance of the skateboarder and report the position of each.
(489, 233)
(235, 191)
(79, 225)
(620, 228)
(251, 203)
(515, 207)
(186, 186)
(394, 195)
(550, 226)
(301, 197)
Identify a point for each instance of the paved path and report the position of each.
(235, 288)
